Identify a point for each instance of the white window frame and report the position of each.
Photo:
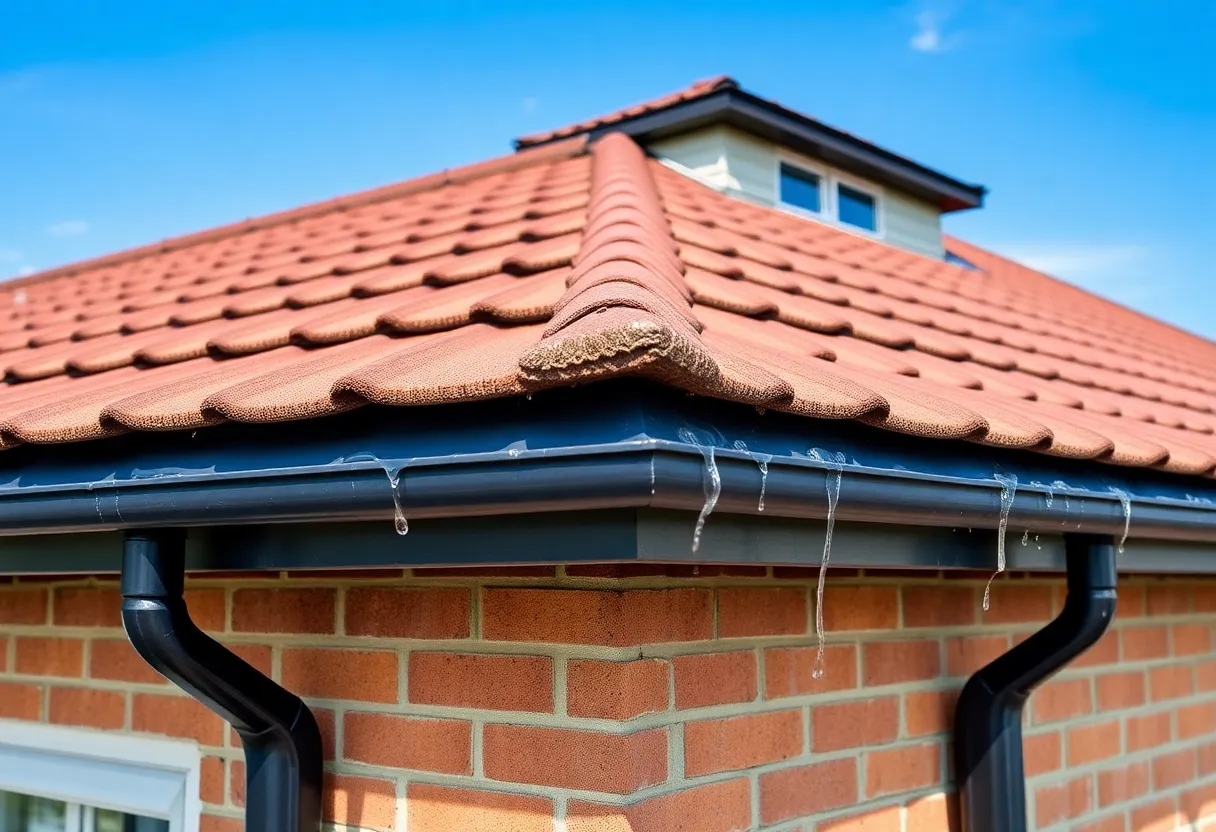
(871, 190)
(156, 778)
(830, 181)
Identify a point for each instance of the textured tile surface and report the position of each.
(565, 264)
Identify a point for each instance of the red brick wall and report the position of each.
(651, 699)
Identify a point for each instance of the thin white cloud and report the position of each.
(12, 262)
(1078, 261)
(928, 36)
(68, 228)
(936, 27)
(1120, 271)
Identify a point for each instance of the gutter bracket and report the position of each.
(988, 719)
(283, 757)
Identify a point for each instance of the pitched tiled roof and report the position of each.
(567, 264)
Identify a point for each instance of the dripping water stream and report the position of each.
(1125, 500)
(393, 472)
(835, 463)
(762, 461)
(1009, 489)
(1060, 485)
(711, 483)
(400, 523)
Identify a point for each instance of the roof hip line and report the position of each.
(627, 308)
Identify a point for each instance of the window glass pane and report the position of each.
(800, 188)
(857, 208)
(23, 813)
(110, 821)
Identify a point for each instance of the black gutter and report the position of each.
(988, 719)
(280, 736)
(646, 473)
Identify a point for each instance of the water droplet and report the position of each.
(400, 523)
(711, 483)
(393, 472)
(1025, 537)
(1126, 501)
(762, 461)
(1051, 495)
(835, 463)
(1036, 543)
(1009, 489)
(1060, 485)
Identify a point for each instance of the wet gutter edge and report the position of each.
(640, 473)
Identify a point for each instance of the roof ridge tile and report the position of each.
(610, 324)
(628, 309)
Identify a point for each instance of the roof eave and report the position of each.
(801, 133)
(635, 474)
(594, 507)
(608, 449)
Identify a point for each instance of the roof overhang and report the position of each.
(800, 133)
(598, 474)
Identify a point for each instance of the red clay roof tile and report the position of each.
(562, 265)
(696, 90)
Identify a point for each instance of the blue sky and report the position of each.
(1093, 122)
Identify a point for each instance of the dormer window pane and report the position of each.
(857, 208)
(800, 188)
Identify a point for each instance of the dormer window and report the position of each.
(756, 150)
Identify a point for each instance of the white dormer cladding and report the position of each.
(748, 167)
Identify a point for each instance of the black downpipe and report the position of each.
(988, 720)
(280, 736)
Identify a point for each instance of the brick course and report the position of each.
(597, 699)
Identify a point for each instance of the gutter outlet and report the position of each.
(282, 743)
(988, 720)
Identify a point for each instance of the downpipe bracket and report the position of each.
(283, 758)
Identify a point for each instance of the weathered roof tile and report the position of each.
(563, 265)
